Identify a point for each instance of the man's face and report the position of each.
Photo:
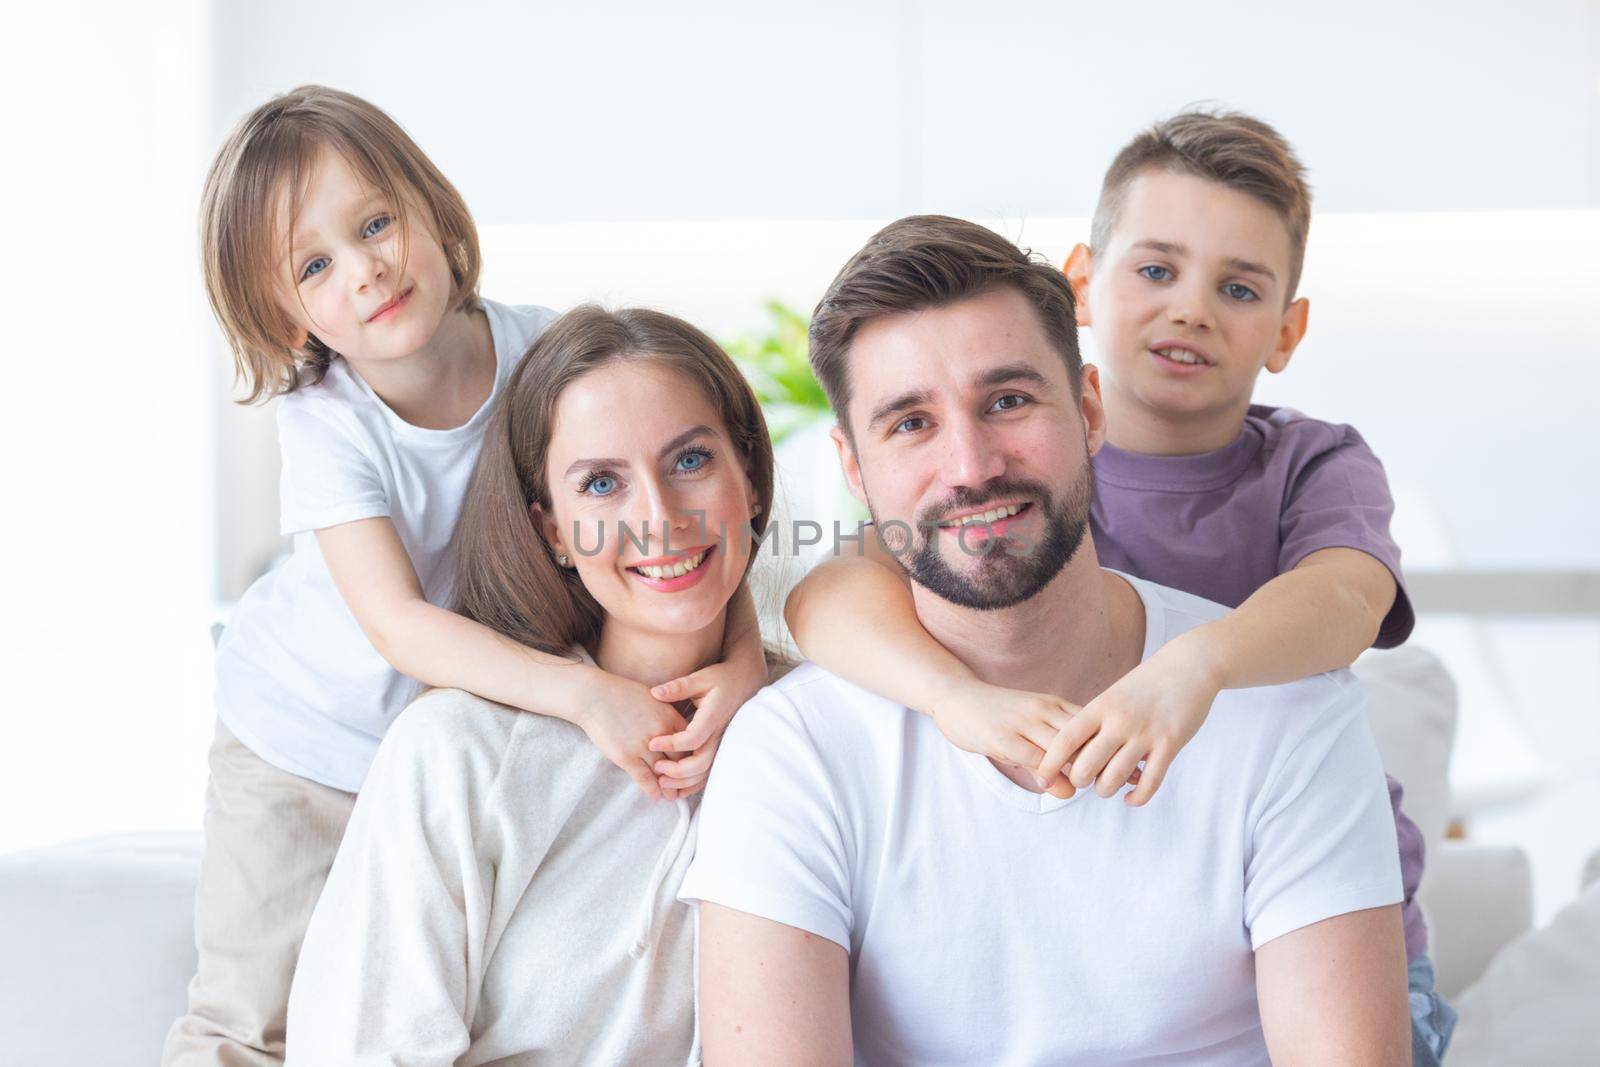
(967, 431)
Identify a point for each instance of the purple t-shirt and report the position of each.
(1222, 524)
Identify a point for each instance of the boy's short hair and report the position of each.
(266, 162)
(1228, 147)
(930, 261)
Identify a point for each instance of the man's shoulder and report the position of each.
(812, 690)
(1273, 713)
(814, 707)
(1170, 611)
(1266, 725)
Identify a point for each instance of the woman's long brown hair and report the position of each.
(506, 574)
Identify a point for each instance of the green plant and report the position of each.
(777, 363)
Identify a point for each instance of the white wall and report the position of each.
(556, 112)
(107, 540)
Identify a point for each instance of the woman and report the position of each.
(504, 893)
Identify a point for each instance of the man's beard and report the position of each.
(1003, 571)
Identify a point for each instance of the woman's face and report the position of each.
(649, 499)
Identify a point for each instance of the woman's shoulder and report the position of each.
(456, 726)
(449, 727)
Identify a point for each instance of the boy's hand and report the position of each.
(622, 720)
(717, 692)
(1008, 725)
(1148, 715)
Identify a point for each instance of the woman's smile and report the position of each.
(673, 574)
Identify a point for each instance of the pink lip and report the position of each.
(977, 533)
(682, 581)
(388, 309)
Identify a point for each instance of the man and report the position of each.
(869, 891)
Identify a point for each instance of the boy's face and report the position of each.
(1187, 299)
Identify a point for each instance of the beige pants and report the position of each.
(270, 840)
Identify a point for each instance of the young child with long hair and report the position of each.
(343, 269)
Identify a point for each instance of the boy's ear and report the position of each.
(849, 464)
(1290, 332)
(1092, 408)
(1079, 265)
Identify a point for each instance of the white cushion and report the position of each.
(1411, 707)
(1478, 899)
(96, 949)
(1539, 1001)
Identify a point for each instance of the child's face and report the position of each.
(642, 473)
(344, 285)
(1187, 300)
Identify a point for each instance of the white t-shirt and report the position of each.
(297, 680)
(989, 924)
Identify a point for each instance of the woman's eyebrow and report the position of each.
(667, 449)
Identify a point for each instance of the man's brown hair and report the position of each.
(264, 168)
(506, 573)
(930, 261)
(1227, 147)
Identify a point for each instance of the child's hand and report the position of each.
(717, 692)
(1148, 715)
(621, 722)
(1008, 725)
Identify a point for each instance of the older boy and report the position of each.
(1189, 284)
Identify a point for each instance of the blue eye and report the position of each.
(598, 485)
(900, 427)
(694, 459)
(376, 226)
(1240, 292)
(313, 267)
(1156, 273)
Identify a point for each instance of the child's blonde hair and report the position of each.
(244, 237)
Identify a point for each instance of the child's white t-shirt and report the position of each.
(989, 924)
(297, 680)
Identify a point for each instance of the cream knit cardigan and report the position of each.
(503, 894)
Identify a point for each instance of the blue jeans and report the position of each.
(1432, 1020)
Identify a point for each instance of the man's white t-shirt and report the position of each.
(989, 924)
(297, 680)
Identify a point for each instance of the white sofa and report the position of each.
(96, 936)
